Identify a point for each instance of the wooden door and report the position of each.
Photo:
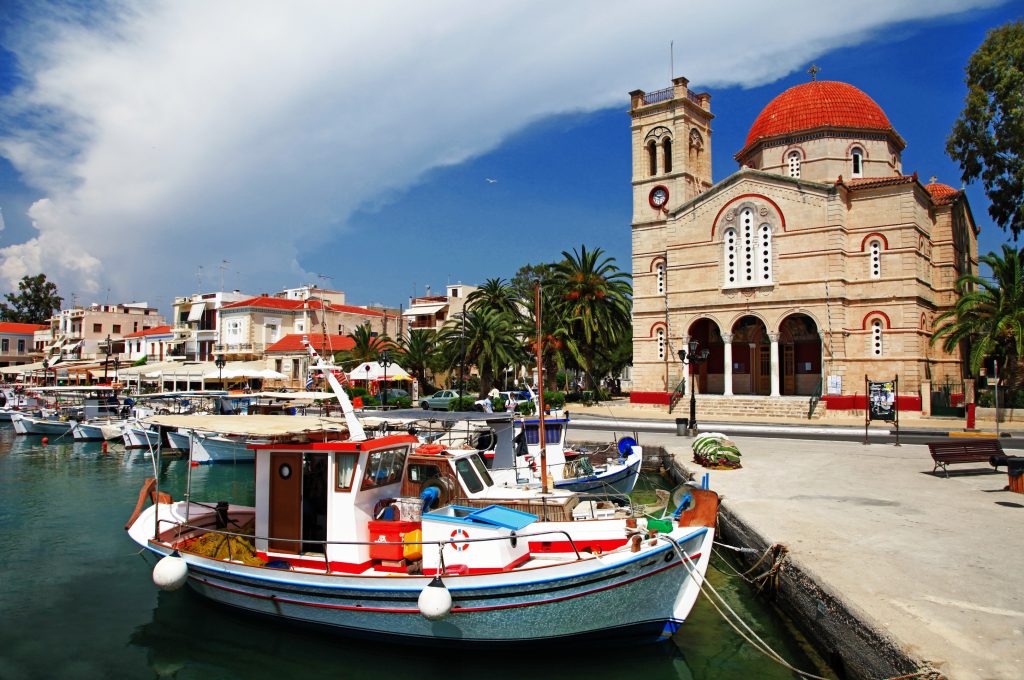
(788, 370)
(286, 501)
(764, 373)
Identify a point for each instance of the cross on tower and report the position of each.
(813, 70)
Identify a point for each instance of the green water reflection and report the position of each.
(76, 599)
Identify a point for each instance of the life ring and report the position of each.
(430, 449)
(461, 535)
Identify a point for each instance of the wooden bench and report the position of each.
(963, 451)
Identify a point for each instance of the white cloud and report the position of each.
(174, 135)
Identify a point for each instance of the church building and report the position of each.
(817, 263)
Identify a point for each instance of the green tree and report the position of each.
(596, 303)
(367, 346)
(488, 339)
(988, 319)
(36, 301)
(496, 295)
(988, 138)
(416, 353)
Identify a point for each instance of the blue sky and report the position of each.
(141, 146)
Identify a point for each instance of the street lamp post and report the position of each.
(462, 356)
(117, 366)
(219, 363)
(693, 359)
(106, 358)
(384, 360)
(46, 369)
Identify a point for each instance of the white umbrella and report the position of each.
(376, 372)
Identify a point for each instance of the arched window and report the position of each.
(794, 163)
(876, 337)
(667, 148)
(661, 344)
(660, 269)
(875, 253)
(652, 158)
(858, 162)
(747, 253)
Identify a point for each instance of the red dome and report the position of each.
(819, 103)
(938, 189)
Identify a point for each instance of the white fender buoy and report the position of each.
(435, 601)
(170, 573)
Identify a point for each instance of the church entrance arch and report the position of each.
(751, 357)
(708, 376)
(800, 355)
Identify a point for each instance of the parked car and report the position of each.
(516, 395)
(439, 400)
(394, 394)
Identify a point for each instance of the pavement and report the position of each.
(909, 421)
(929, 562)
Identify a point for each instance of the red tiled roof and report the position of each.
(942, 194)
(21, 328)
(284, 303)
(155, 330)
(293, 343)
(817, 104)
(872, 182)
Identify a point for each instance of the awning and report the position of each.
(196, 313)
(424, 310)
(371, 370)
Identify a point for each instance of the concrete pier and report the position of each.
(890, 569)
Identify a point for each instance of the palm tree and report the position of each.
(596, 302)
(988, 318)
(488, 339)
(417, 351)
(497, 295)
(367, 345)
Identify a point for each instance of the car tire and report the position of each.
(425, 406)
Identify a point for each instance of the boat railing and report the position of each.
(181, 529)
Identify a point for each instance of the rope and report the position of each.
(735, 548)
(749, 636)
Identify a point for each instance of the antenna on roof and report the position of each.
(223, 266)
(813, 70)
(671, 60)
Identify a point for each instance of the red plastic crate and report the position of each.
(391, 532)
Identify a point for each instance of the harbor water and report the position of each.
(77, 600)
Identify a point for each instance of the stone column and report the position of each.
(686, 365)
(727, 340)
(774, 339)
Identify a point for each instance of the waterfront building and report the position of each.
(195, 324)
(818, 262)
(81, 332)
(245, 329)
(431, 311)
(153, 344)
(17, 343)
(290, 355)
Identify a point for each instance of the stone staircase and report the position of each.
(717, 407)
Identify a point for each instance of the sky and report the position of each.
(160, 149)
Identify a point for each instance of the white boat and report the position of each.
(208, 447)
(391, 539)
(137, 435)
(52, 424)
(99, 429)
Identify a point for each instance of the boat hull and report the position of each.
(44, 426)
(636, 598)
(620, 479)
(139, 438)
(95, 431)
(211, 449)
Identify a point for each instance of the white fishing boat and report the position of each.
(99, 429)
(138, 435)
(391, 539)
(208, 447)
(50, 424)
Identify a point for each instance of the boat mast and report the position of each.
(542, 435)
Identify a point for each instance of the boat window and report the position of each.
(419, 472)
(465, 469)
(384, 467)
(481, 470)
(346, 466)
(553, 434)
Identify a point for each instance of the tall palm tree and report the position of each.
(497, 295)
(596, 301)
(559, 349)
(416, 352)
(488, 340)
(988, 318)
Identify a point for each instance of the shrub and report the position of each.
(554, 399)
(461, 404)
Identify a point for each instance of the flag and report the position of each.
(309, 380)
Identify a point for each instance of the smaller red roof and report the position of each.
(21, 328)
(155, 330)
(321, 343)
(872, 182)
(942, 194)
(311, 303)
